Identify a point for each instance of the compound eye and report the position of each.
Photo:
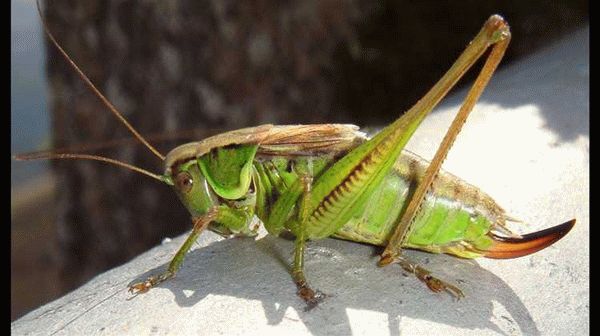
(184, 182)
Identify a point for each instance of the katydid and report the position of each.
(316, 181)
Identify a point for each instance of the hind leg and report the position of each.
(436, 285)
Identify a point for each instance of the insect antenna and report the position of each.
(54, 156)
(95, 90)
(156, 138)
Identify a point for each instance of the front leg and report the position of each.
(200, 225)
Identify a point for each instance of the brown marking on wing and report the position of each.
(250, 135)
(311, 139)
(276, 140)
(457, 190)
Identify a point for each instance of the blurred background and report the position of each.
(186, 69)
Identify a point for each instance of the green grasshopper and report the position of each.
(317, 181)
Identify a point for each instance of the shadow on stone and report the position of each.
(347, 273)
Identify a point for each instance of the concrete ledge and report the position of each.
(526, 145)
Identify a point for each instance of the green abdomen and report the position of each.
(455, 218)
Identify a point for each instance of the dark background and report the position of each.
(201, 67)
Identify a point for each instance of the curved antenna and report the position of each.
(95, 90)
(158, 137)
(54, 156)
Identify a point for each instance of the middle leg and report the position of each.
(310, 296)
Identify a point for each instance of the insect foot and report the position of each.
(437, 285)
(311, 297)
(152, 281)
(434, 284)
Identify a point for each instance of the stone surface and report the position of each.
(526, 144)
